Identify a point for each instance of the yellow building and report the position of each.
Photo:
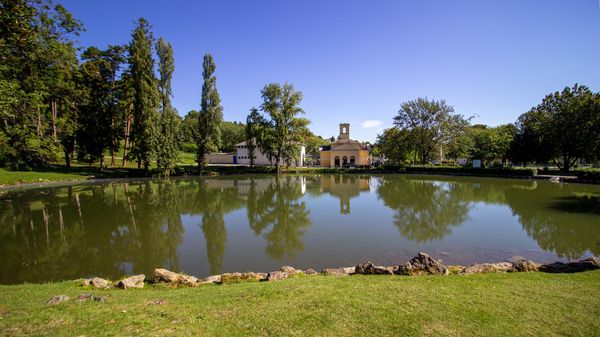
(344, 151)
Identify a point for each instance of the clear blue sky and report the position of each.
(357, 61)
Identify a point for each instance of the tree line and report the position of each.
(57, 97)
(562, 130)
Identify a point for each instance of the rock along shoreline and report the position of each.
(422, 264)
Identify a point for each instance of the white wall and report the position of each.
(260, 159)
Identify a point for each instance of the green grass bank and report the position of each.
(512, 304)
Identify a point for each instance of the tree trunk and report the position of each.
(39, 122)
(67, 158)
(53, 105)
(200, 163)
(127, 129)
(566, 163)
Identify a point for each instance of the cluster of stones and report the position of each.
(422, 264)
(81, 298)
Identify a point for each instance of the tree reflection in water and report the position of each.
(276, 213)
(103, 229)
(212, 200)
(425, 210)
(111, 229)
(546, 214)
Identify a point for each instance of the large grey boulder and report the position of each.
(590, 263)
(482, 268)
(422, 264)
(310, 271)
(524, 265)
(283, 273)
(99, 283)
(166, 276)
(368, 268)
(338, 271)
(210, 279)
(242, 277)
(136, 281)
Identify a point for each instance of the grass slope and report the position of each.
(517, 304)
(16, 177)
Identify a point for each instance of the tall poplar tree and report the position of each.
(166, 150)
(211, 113)
(144, 131)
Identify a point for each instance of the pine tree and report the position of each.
(211, 113)
(144, 131)
(166, 150)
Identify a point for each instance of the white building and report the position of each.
(242, 157)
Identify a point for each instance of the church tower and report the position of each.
(344, 131)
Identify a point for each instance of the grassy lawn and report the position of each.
(15, 177)
(516, 304)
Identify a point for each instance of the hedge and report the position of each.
(459, 170)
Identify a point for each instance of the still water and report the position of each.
(259, 223)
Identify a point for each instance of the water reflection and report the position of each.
(110, 229)
(425, 209)
(344, 187)
(276, 213)
(565, 221)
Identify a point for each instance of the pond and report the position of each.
(259, 223)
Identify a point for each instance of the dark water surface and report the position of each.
(214, 225)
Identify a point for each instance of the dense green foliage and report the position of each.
(254, 123)
(167, 149)
(53, 105)
(281, 129)
(513, 304)
(562, 130)
(429, 127)
(232, 133)
(211, 113)
(144, 133)
(498, 172)
(38, 70)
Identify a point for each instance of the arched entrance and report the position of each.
(336, 162)
(344, 161)
(352, 161)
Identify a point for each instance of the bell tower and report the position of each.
(344, 131)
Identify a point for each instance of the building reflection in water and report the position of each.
(344, 187)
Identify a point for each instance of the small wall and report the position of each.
(220, 158)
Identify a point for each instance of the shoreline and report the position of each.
(220, 171)
(421, 264)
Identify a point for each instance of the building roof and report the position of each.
(244, 143)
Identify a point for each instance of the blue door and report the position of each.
(235, 159)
